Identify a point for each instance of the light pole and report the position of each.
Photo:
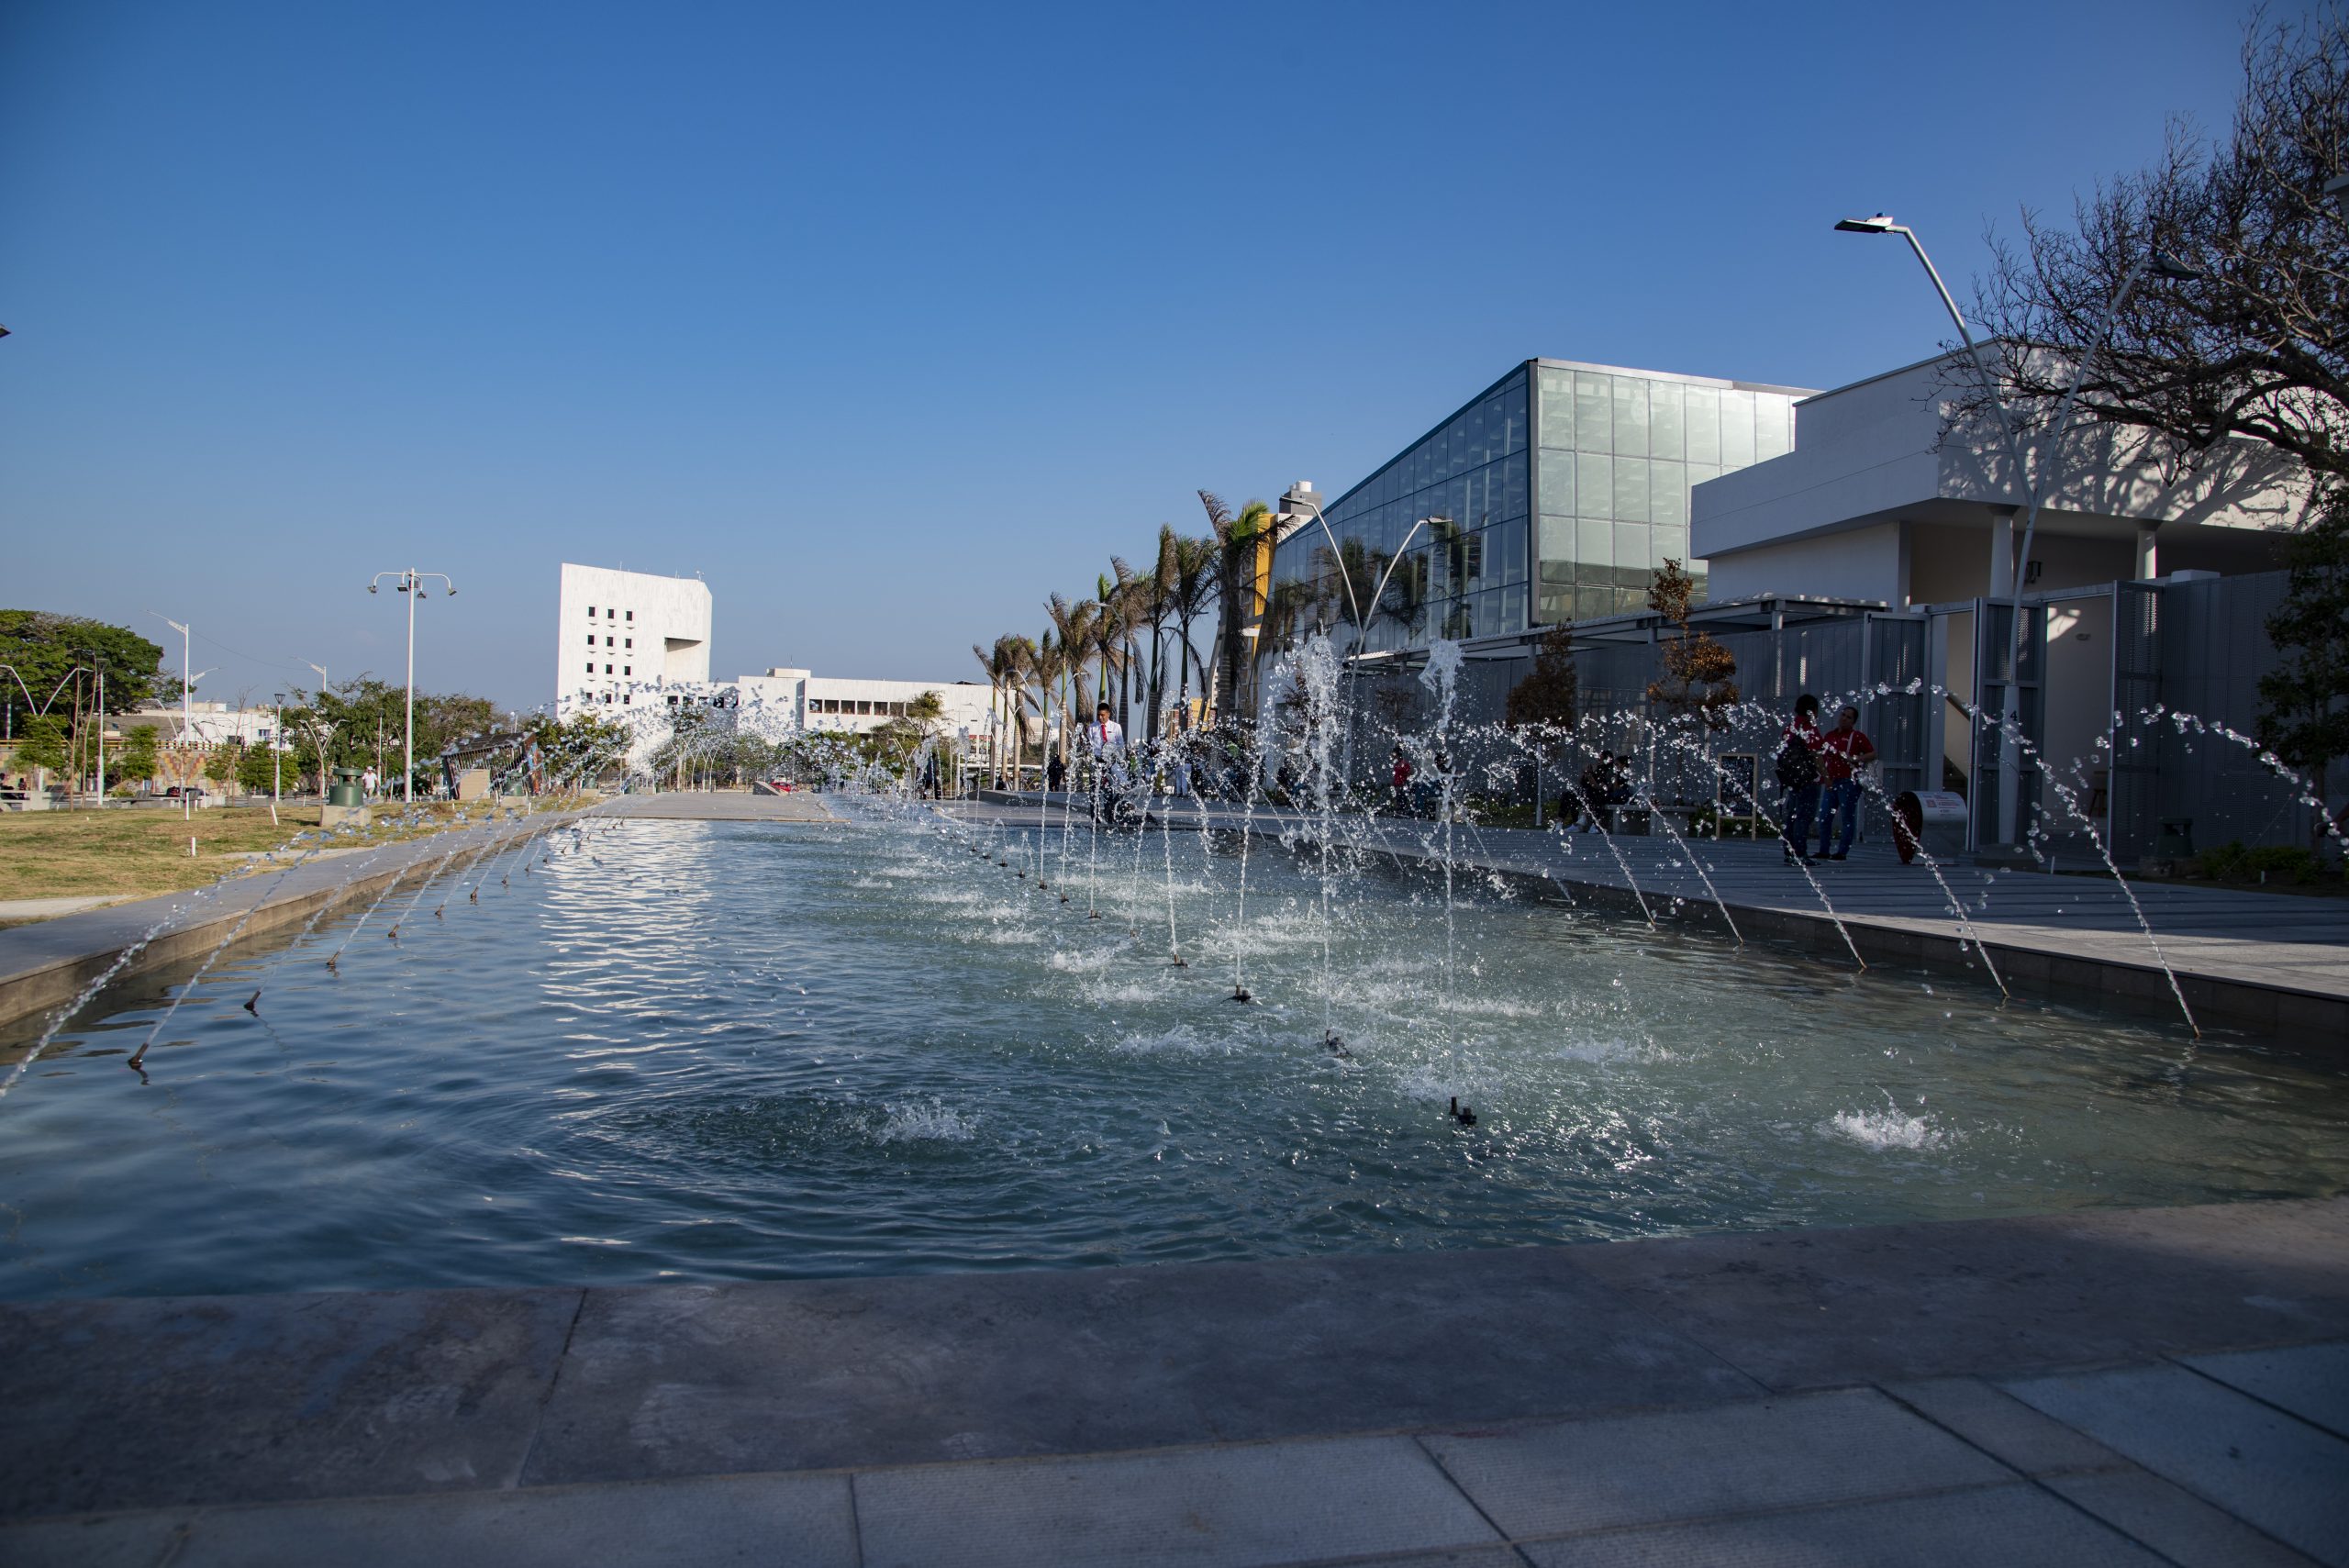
(276, 753)
(2160, 266)
(187, 670)
(2009, 758)
(411, 582)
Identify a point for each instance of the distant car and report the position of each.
(193, 791)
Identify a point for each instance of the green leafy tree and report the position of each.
(258, 770)
(2304, 710)
(220, 766)
(136, 763)
(41, 744)
(44, 647)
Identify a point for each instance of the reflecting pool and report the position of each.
(731, 1051)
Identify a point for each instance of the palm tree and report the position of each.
(1017, 653)
(1193, 590)
(1158, 605)
(1236, 540)
(1076, 624)
(1113, 593)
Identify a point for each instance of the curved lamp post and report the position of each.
(411, 582)
(2160, 266)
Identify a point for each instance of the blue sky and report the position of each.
(890, 319)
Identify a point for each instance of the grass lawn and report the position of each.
(140, 851)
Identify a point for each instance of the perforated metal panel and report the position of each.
(1995, 619)
(2133, 793)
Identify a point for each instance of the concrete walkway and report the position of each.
(2103, 1387)
(721, 805)
(2272, 962)
(45, 965)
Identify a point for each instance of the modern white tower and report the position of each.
(622, 635)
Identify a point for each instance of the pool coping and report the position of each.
(48, 963)
(1152, 1387)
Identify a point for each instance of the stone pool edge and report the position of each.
(47, 964)
(156, 1406)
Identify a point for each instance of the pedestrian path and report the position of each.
(2101, 1387)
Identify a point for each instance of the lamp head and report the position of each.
(2164, 265)
(1880, 224)
(453, 590)
(371, 587)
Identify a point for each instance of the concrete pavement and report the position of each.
(2103, 1387)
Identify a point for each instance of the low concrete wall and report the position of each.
(38, 985)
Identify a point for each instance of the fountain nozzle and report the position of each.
(1242, 994)
(1336, 1046)
(252, 1004)
(1464, 1118)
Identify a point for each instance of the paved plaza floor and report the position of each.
(2118, 1386)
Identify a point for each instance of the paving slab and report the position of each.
(1223, 1508)
(215, 1399)
(680, 1380)
(2173, 1522)
(1816, 1309)
(114, 1540)
(2003, 1527)
(2270, 1469)
(803, 1521)
(2004, 1427)
(1606, 1473)
(2310, 1380)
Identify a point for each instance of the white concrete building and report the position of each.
(1873, 503)
(633, 648)
(622, 634)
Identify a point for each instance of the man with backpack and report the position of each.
(1797, 767)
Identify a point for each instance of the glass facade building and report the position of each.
(1554, 495)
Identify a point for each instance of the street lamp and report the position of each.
(2160, 265)
(411, 582)
(276, 753)
(187, 670)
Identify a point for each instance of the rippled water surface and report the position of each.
(726, 1051)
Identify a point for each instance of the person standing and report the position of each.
(1056, 774)
(1106, 738)
(1797, 768)
(1843, 753)
(1402, 796)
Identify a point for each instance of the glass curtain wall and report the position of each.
(1455, 506)
(1616, 453)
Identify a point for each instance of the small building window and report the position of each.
(591, 640)
(623, 699)
(591, 666)
(607, 669)
(591, 612)
(631, 615)
(628, 642)
(629, 670)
